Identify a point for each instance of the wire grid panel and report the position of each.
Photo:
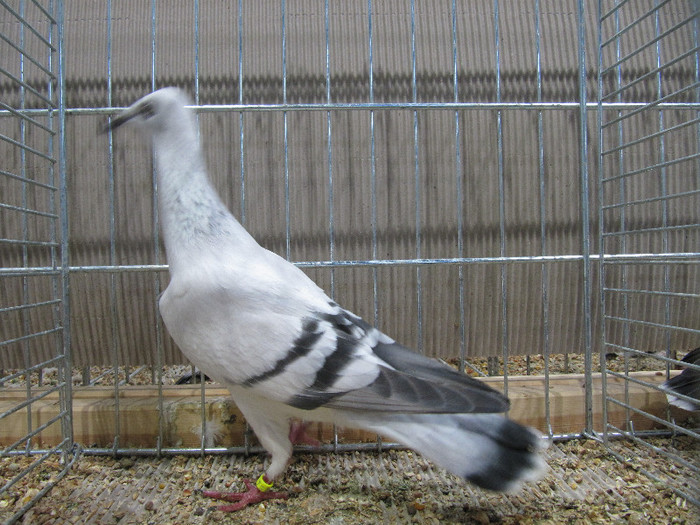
(650, 205)
(32, 311)
(395, 152)
(363, 136)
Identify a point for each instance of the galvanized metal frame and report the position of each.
(46, 35)
(61, 269)
(417, 109)
(414, 106)
(613, 127)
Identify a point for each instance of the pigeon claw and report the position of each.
(243, 499)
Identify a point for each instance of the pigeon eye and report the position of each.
(147, 110)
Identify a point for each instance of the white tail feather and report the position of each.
(488, 449)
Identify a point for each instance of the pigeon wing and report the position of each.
(338, 361)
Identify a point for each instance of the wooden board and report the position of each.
(95, 409)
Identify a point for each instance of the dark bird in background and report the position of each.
(256, 323)
(191, 378)
(683, 391)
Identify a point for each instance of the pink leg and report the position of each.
(298, 435)
(251, 496)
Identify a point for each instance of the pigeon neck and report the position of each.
(192, 215)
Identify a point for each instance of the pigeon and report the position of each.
(256, 323)
(686, 384)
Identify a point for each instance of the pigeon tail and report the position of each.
(490, 450)
(686, 385)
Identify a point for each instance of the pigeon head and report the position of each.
(153, 112)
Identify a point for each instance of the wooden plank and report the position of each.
(95, 419)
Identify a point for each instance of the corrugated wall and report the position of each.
(400, 193)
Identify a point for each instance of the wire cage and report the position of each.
(510, 187)
(648, 190)
(35, 271)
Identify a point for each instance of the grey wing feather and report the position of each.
(408, 383)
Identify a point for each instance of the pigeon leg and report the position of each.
(298, 435)
(251, 496)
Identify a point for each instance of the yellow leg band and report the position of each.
(263, 485)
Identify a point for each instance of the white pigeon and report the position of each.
(257, 324)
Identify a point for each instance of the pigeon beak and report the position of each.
(143, 109)
(120, 119)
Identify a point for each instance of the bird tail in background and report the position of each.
(686, 383)
(489, 450)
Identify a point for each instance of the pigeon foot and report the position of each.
(250, 497)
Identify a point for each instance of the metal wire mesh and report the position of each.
(32, 237)
(647, 317)
(429, 164)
